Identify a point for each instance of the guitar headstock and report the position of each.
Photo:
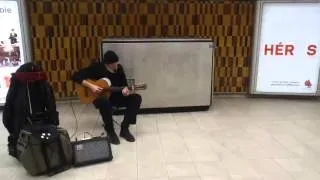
(141, 86)
(138, 87)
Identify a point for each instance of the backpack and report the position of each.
(16, 112)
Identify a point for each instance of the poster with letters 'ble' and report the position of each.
(11, 44)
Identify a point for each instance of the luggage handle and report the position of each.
(35, 116)
(30, 106)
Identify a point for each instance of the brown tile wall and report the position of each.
(65, 34)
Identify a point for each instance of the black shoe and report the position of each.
(125, 133)
(112, 135)
(113, 138)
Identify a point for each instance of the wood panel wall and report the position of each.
(65, 34)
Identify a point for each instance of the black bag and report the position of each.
(44, 149)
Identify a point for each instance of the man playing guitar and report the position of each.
(111, 69)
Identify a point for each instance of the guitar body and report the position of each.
(86, 96)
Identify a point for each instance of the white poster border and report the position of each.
(25, 33)
(256, 48)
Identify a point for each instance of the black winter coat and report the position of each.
(17, 109)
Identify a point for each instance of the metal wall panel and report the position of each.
(178, 72)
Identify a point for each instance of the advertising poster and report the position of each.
(11, 46)
(288, 60)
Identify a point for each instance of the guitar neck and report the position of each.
(116, 88)
(119, 88)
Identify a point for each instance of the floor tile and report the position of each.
(237, 139)
(181, 170)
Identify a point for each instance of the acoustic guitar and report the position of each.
(86, 96)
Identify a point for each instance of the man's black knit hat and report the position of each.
(110, 57)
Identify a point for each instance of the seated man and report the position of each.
(111, 69)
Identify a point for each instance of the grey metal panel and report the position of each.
(256, 47)
(178, 72)
(24, 22)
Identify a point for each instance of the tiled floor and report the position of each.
(239, 139)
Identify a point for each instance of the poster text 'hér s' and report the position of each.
(287, 50)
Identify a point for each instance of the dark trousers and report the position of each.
(131, 103)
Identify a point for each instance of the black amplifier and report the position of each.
(90, 151)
